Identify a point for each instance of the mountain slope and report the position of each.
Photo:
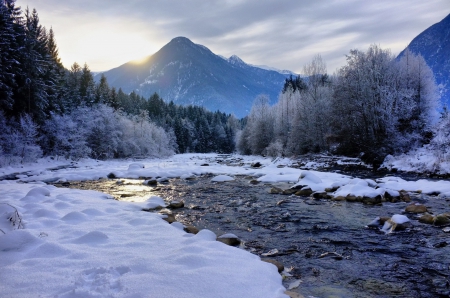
(434, 45)
(187, 73)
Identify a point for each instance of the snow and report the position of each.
(79, 243)
(222, 178)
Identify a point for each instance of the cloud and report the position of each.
(285, 34)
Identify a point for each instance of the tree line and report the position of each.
(46, 109)
(373, 106)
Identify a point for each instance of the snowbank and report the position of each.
(76, 243)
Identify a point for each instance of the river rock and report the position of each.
(275, 190)
(229, 239)
(151, 182)
(338, 198)
(331, 189)
(404, 196)
(441, 220)
(169, 217)
(371, 201)
(293, 294)
(427, 219)
(321, 195)
(289, 191)
(392, 196)
(304, 192)
(176, 204)
(256, 164)
(254, 181)
(351, 198)
(191, 229)
(111, 176)
(416, 208)
(279, 265)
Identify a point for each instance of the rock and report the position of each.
(254, 181)
(282, 202)
(416, 208)
(427, 219)
(304, 192)
(191, 229)
(279, 265)
(351, 198)
(289, 191)
(404, 196)
(293, 294)
(229, 239)
(170, 218)
(66, 183)
(371, 201)
(275, 190)
(441, 220)
(446, 230)
(338, 198)
(374, 223)
(151, 182)
(204, 165)
(256, 165)
(321, 195)
(111, 176)
(396, 223)
(331, 189)
(391, 198)
(176, 204)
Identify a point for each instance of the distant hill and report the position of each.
(434, 45)
(188, 73)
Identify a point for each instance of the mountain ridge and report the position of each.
(434, 46)
(191, 74)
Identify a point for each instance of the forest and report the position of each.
(375, 105)
(47, 110)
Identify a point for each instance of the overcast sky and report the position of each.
(285, 34)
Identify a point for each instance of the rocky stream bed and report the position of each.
(325, 245)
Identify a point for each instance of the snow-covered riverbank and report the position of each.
(74, 243)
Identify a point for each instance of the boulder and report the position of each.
(331, 189)
(441, 220)
(351, 198)
(229, 239)
(416, 208)
(289, 191)
(254, 181)
(404, 196)
(372, 201)
(111, 176)
(338, 198)
(176, 204)
(321, 195)
(275, 190)
(427, 219)
(151, 182)
(169, 217)
(279, 265)
(191, 229)
(304, 192)
(256, 164)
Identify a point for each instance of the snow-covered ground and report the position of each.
(76, 243)
(421, 160)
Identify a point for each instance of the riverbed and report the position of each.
(326, 245)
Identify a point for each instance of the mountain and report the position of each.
(434, 45)
(188, 73)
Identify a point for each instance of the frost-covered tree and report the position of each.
(259, 129)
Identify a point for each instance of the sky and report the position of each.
(285, 34)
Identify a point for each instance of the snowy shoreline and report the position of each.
(78, 243)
